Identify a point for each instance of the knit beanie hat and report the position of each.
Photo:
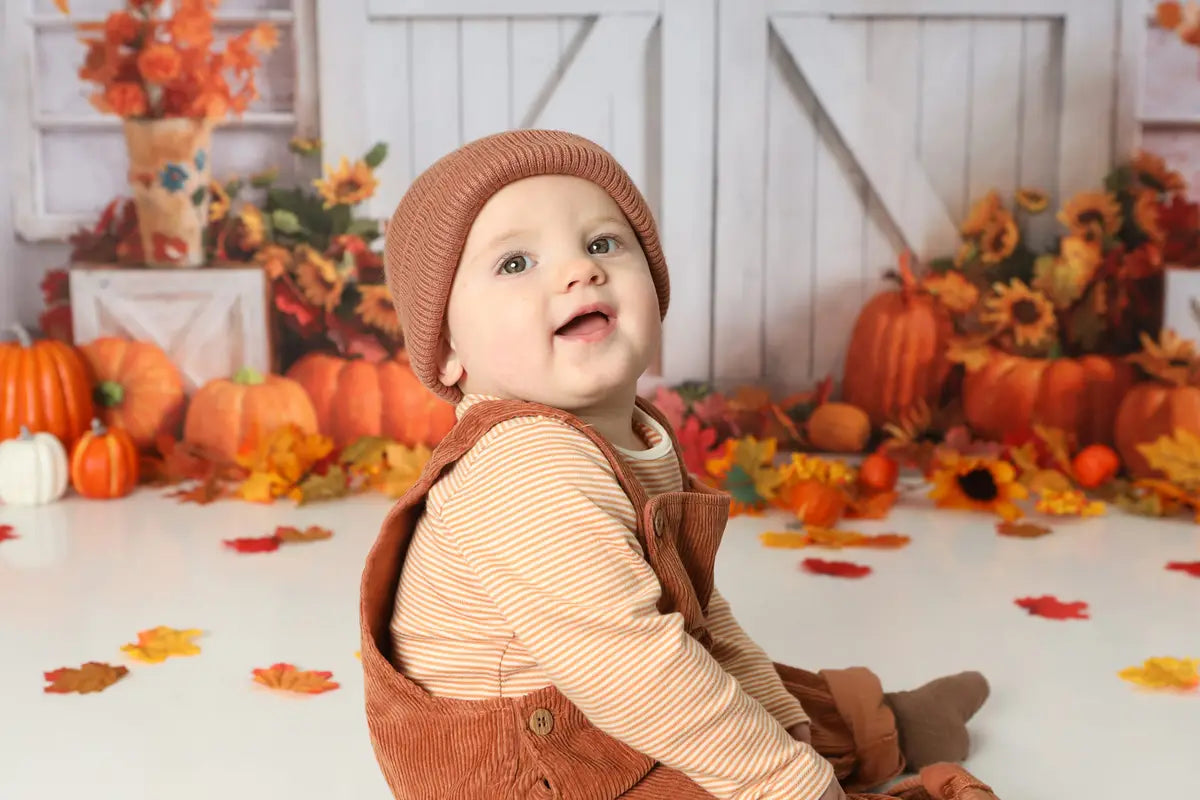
(426, 234)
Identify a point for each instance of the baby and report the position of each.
(539, 615)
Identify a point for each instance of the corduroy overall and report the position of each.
(539, 746)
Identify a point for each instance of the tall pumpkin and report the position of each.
(137, 388)
(44, 386)
(1011, 393)
(1168, 402)
(897, 353)
(225, 413)
(356, 398)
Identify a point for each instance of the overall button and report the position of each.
(660, 522)
(541, 722)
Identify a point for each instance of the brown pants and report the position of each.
(851, 727)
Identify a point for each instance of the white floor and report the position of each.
(86, 576)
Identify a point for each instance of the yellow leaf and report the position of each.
(1165, 673)
(158, 644)
(1046, 480)
(1058, 442)
(262, 487)
(404, 466)
(1177, 456)
(793, 540)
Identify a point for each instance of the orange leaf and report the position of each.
(93, 676)
(887, 541)
(787, 539)
(202, 493)
(871, 506)
(285, 677)
(1021, 530)
(290, 535)
(63, 5)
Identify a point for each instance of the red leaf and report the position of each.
(1190, 567)
(697, 444)
(6, 533)
(838, 569)
(1051, 607)
(254, 544)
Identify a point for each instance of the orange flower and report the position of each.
(264, 36)
(1092, 214)
(1168, 15)
(101, 62)
(1032, 200)
(1152, 170)
(159, 63)
(347, 185)
(123, 98)
(275, 260)
(953, 291)
(191, 28)
(120, 28)
(981, 214)
(376, 309)
(999, 238)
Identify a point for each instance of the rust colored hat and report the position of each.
(426, 234)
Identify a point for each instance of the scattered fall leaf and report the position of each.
(785, 539)
(1188, 567)
(1071, 502)
(286, 677)
(1051, 607)
(253, 544)
(1177, 456)
(94, 676)
(1165, 672)
(837, 569)
(1021, 530)
(202, 492)
(833, 539)
(404, 467)
(286, 534)
(875, 505)
(333, 484)
(281, 461)
(358, 654)
(156, 645)
(6, 533)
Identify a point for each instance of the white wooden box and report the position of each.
(1181, 302)
(211, 321)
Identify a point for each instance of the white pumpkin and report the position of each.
(33, 469)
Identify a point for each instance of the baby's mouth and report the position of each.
(587, 324)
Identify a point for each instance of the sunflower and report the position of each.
(376, 309)
(1092, 213)
(1152, 170)
(347, 185)
(252, 230)
(967, 251)
(218, 204)
(1028, 313)
(1065, 277)
(1172, 359)
(1068, 502)
(999, 238)
(1033, 200)
(275, 260)
(1148, 215)
(981, 214)
(952, 290)
(977, 484)
(320, 281)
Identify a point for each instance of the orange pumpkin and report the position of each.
(897, 353)
(878, 473)
(816, 503)
(227, 413)
(356, 398)
(1095, 465)
(838, 428)
(1012, 393)
(104, 463)
(44, 386)
(138, 389)
(1168, 402)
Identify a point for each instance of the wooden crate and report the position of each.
(211, 321)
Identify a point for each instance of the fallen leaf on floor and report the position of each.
(93, 676)
(6, 533)
(1165, 673)
(333, 484)
(785, 539)
(832, 538)
(156, 645)
(837, 569)
(1051, 607)
(203, 493)
(286, 534)
(1021, 530)
(871, 506)
(358, 654)
(1190, 567)
(253, 544)
(286, 677)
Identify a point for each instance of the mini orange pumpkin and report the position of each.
(138, 389)
(838, 428)
(816, 503)
(1095, 465)
(104, 463)
(44, 386)
(228, 413)
(878, 473)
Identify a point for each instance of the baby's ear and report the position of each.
(450, 369)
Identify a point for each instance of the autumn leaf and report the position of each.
(94, 676)
(158, 644)
(1058, 444)
(6, 533)
(837, 569)
(404, 467)
(285, 677)
(785, 539)
(1177, 456)
(1022, 530)
(671, 404)
(202, 493)
(333, 484)
(1051, 607)
(286, 534)
(696, 444)
(253, 544)
(1187, 567)
(1071, 502)
(262, 487)
(887, 541)
(366, 454)
(871, 506)
(63, 5)
(1165, 673)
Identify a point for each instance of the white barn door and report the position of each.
(851, 129)
(426, 76)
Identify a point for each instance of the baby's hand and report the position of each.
(834, 792)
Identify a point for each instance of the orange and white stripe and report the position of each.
(525, 572)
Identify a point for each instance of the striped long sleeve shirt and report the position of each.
(525, 571)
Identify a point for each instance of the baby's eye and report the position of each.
(602, 245)
(515, 265)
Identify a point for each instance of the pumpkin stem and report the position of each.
(109, 394)
(248, 376)
(98, 428)
(908, 282)
(23, 337)
(24, 433)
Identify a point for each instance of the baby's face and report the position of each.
(540, 252)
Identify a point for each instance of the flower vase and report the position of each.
(169, 174)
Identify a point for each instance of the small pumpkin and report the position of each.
(1011, 394)
(33, 469)
(878, 473)
(1095, 465)
(354, 398)
(137, 388)
(817, 503)
(44, 386)
(104, 463)
(1168, 402)
(839, 428)
(897, 352)
(227, 413)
